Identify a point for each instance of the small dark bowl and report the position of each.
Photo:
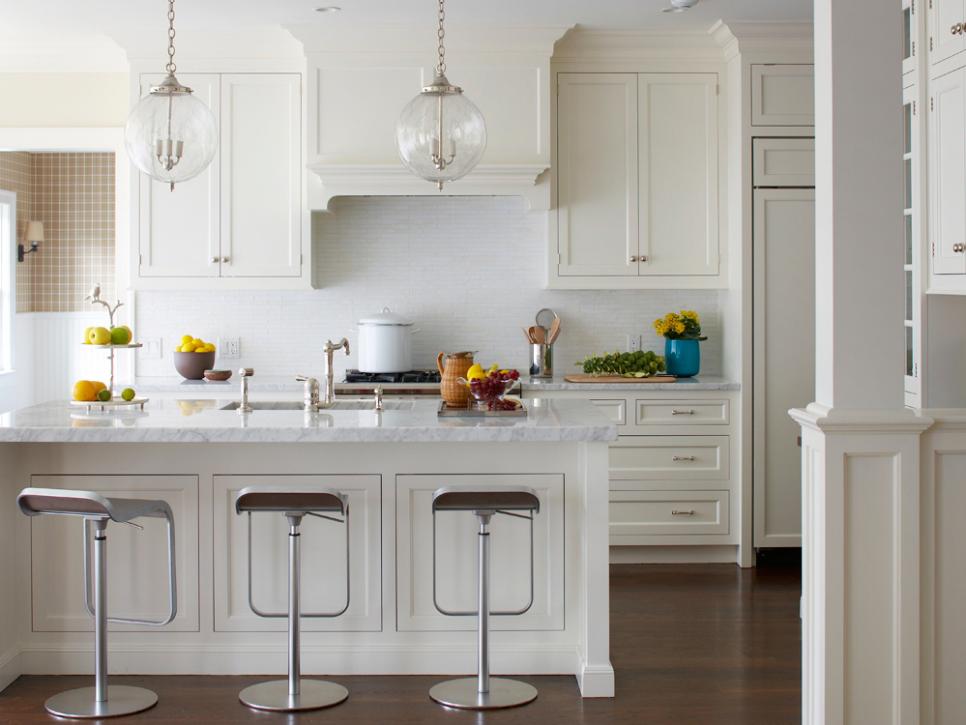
(192, 365)
(217, 376)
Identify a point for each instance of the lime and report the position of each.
(120, 335)
(128, 394)
(104, 395)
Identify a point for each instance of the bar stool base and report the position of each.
(121, 700)
(273, 695)
(463, 694)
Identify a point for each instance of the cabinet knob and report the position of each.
(957, 29)
(226, 260)
(214, 260)
(642, 258)
(634, 258)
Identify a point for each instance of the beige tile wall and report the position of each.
(15, 177)
(73, 195)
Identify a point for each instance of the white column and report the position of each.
(860, 447)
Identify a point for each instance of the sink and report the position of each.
(338, 405)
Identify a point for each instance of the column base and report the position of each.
(121, 700)
(273, 695)
(462, 694)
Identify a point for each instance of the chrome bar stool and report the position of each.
(294, 503)
(102, 701)
(484, 692)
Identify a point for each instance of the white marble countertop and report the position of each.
(283, 385)
(202, 421)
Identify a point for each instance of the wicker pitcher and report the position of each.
(456, 365)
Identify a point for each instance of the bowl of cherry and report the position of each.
(489, 393)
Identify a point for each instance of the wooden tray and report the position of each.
(446, 411)
(582, 378)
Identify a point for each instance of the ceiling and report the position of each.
(100, 16)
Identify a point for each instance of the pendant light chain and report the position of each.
(171, 67)
(440, 34)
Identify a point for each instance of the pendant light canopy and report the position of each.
(441, 134)
(171, 135)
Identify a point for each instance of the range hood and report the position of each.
(358, 81)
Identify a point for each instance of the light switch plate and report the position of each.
(633, 343)
(151, 348)
(229, 348)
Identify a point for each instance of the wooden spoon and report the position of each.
(539, 335)
(554, 331)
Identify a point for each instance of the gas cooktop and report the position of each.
(413, 376)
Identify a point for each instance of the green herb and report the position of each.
(625, 364)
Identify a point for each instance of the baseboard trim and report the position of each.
(270, 660)
(595, 680)
(10, 667)
(721, 554)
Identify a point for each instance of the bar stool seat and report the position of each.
(294, 502)
(102, 700)
(484, 692)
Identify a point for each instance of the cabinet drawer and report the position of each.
(669, 458)
(613, 408)
(642, 513)
(683, 412)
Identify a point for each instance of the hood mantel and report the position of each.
(358, 81)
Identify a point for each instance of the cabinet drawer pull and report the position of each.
(677, 411)
(682, 459)
(679, 512)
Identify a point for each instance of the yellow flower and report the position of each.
(679, 327)
(690, 315)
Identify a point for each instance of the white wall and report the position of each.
(469, 271)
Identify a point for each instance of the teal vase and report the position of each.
(682, 357)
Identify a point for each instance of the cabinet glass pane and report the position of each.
(909, 364)
(906, 34)
(908, 183)
(908, 238)
(909, 295)
(907, 128)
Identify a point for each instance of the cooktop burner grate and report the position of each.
(413, 376)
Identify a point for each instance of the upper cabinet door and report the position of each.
(947, 150)
(178, 230)
(261, 173)
(783, 95)
(597, 179)
(946, 33)
(678, 123)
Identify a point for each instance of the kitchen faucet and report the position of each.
(329, 349)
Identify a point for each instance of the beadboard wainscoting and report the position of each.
(468, 270)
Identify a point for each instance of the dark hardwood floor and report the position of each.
(702, 644)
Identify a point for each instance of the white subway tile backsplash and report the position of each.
(468, 271)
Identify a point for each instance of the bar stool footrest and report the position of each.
(273, 695)
(463, 694)
(121, 700)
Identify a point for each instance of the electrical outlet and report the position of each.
(230, 348)
(151, 348)
(634, 343)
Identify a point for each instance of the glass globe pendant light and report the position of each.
(440, 134)
(171, 135)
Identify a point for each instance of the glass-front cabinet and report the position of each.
(911, 249)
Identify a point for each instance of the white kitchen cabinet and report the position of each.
(946, 33)
(597, 174)
(178, 230)
(261, 172)
(783, 94)
(456, 556)
(324, 559)
(239, 223)
(636, 515)
(637, 181)
(947, 159)
(137, 559)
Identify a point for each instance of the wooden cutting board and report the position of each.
(582, 378)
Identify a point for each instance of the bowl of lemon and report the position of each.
(192, 356)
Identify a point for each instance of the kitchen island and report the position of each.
(196, 456)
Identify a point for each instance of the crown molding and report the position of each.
(583, 44)
(420, 40)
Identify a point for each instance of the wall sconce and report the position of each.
(35, 235)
